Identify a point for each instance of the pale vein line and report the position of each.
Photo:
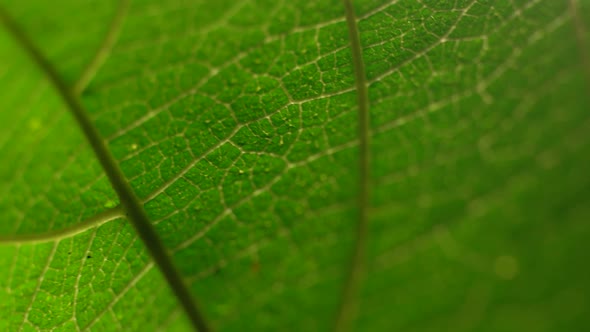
(58, 235)
(229, 209)
(12, 269)
(104, 49)
(134, 209)
(225, 140)
(483, 85)
(378, 9)
(348, 304)
(38, 286)
(118, 297)
(77, 283)
(427, 49)
(122, 293)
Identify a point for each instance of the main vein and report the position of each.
(131, 204)
(347, 311)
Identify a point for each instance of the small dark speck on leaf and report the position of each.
(88, 256)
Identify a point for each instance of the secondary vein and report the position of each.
(57, 235)
(348, 306)
(104, 49)
(131, 204)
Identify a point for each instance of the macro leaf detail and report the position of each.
(236, 125)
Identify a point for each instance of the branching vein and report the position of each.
(104, 49)
(57, 235)
(131, 204)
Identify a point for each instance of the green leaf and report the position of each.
(236, 125)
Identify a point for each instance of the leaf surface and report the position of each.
(236, 123)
